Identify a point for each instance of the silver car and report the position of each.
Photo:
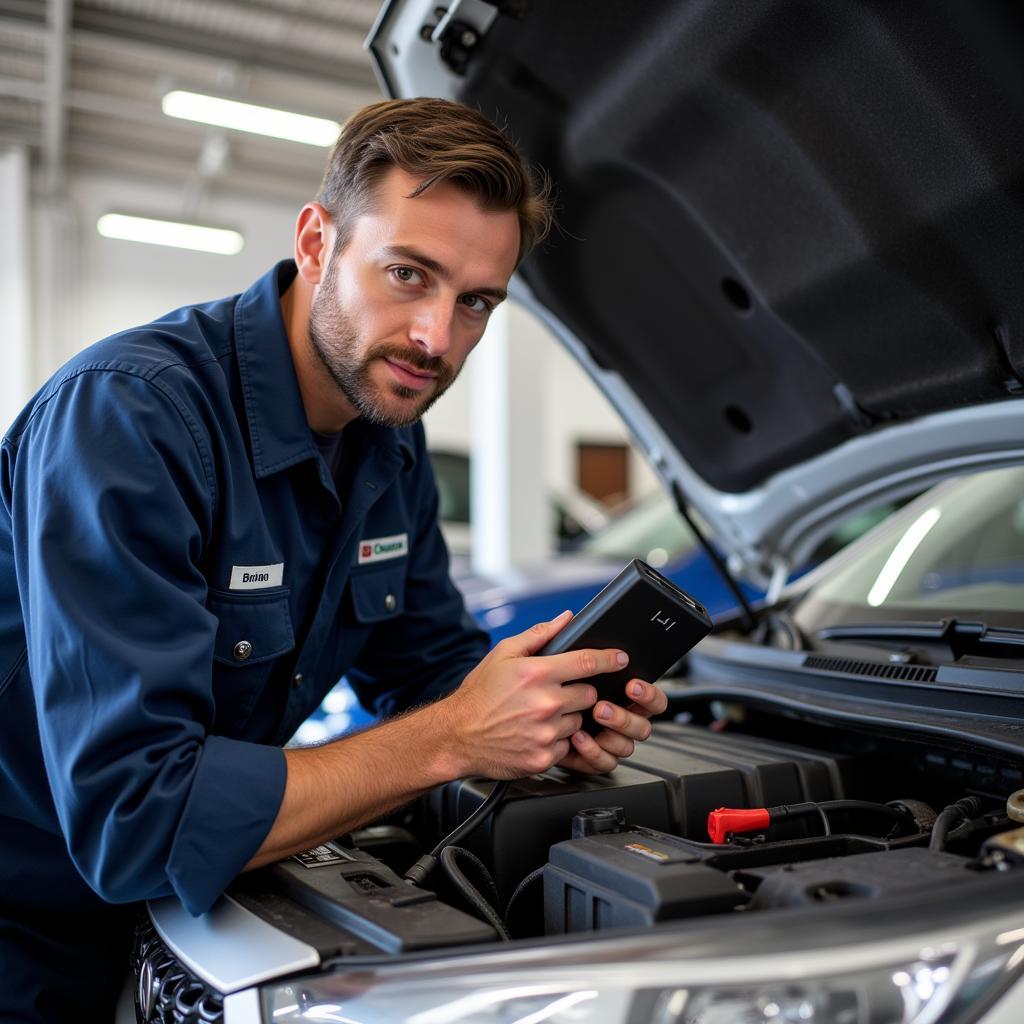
(791, 252)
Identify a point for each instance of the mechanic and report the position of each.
(209, 519)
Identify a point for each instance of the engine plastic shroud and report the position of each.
(670, 785)
(637, 877)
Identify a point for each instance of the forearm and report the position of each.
(512, 716)
(342, 785)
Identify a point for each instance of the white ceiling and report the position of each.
(81, 83)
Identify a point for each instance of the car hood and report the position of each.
(790, 236)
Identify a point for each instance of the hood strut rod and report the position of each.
(723, 570)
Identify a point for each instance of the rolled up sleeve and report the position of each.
(112, 497)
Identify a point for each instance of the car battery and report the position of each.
(705, 770)
(537, 811)
(630, 879)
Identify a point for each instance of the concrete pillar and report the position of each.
(15, 286)
(512, 525)
(57, 334)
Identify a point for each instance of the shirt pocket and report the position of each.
(378, 595)
(253, 630)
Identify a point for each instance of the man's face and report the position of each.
(402, 305)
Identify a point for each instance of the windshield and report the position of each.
(956, 552)
(652, 530)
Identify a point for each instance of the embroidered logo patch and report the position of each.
(381, 548)
(256, 577)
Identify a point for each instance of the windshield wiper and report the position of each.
(961, 636)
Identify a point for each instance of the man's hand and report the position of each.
(512, 716)
(622, 728)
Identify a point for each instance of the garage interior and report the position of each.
(83, 134)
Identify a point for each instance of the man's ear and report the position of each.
(314, 238)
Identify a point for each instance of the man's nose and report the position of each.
(431, 329)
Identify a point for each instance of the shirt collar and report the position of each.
(278, 428)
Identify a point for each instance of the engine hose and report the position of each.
(418, 872)
(450, 856)
(726, 821)
(516, 899)
(900, 814)
(825, 807)
(968, 807)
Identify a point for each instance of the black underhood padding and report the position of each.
(784, 222)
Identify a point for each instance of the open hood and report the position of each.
(792, 232)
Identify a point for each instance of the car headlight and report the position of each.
(905, 982)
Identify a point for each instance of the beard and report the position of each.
(334, 339)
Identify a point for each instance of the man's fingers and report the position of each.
(629, 723)
(578, 696)
(570, 724)
(573, 665)
(561, 749)
(615, 743)
(530, 641)
(647, 698)
(592, 753)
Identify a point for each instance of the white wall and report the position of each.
(570, 404)
(120, 284)
(104, 285)
(15, 283)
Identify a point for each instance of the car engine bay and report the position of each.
(802, 815)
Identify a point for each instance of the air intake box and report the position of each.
(538, 811)
(705, 770)
(670, 785)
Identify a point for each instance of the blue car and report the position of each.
(652, 530)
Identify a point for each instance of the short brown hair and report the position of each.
(434, 140)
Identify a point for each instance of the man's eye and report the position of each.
(406, 275)
(477, 303)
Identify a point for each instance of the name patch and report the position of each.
(256, 577)
(381, 548)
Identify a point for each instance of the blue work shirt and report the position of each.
(180, 585)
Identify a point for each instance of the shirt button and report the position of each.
(389, 602)
(297, 680)
(242, 650)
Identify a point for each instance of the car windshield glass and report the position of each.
(958, 551)
(652, 530)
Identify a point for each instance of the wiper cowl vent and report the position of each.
(852, 666)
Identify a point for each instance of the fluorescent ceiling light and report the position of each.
(246, 117)
(169, 232)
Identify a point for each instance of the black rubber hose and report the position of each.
(419, 871)
(968, 807)
(784, 811)
(516, 900)
(900, 814)
(450, 856)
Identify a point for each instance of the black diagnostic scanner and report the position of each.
(642, 613)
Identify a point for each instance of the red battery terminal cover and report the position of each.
(736, 819)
